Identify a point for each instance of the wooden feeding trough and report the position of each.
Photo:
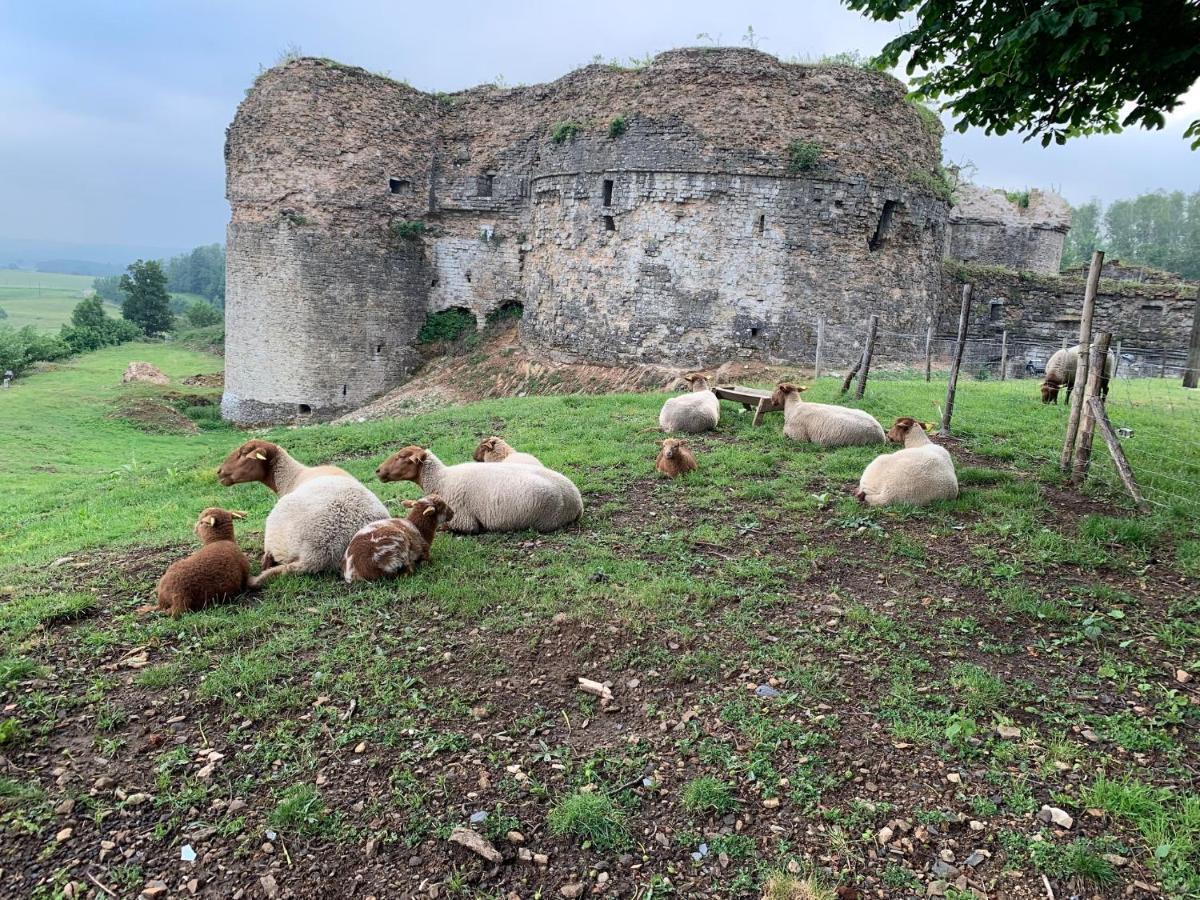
(750, 398)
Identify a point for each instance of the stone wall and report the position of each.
(710, 244)
(1023, 231)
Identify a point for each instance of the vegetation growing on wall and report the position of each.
(409, 229)
(617, 127)
(803, 156)
(447, 325)
(564, 131)
(1020, 199)
(940, 182)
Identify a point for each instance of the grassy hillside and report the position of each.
(41, 299)
(797, 680)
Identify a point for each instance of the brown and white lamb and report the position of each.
(395, 546)
(496, 449)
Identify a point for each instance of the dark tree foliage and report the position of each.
(200, 271)
(147, 303)
(108, 288)
(201, 315)
(1160, 230)
(92, 328)
(1052, 68)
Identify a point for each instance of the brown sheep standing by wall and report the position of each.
(395, 546)
(674, 459)
(217, 571)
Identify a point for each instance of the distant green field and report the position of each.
(41, 299)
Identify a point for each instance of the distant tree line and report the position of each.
(200, 271)
(1160, 230)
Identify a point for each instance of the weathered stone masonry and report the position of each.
(685, 239)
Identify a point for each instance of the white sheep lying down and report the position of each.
(824, 424)
(697, 411)
(318, 511)
(920, 473)
(487, 496)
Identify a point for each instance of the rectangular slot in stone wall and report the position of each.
(399, 185)
(884, 226)
(610, 224)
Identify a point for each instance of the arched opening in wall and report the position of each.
(506, 312)
(884, 226)
(399, 185)
(608, 191)
(446, 325)
(610, 224)
(304, 409)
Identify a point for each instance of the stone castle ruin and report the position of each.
(712, 205)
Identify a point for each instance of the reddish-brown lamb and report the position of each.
(217, 571)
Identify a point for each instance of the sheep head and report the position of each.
(430, 505)
(216, 524)
(253, 461)
(403, 465)
(671, 447)
(1050, 391)
(900, 429)
(697, 381)
(784, 389)
(492, 449)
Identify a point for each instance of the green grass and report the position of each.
(42, 299)
(926, 627)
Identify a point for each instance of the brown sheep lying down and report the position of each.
(674, 458)
(217, 571)
(395, 546)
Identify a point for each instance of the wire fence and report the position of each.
(1156, 419)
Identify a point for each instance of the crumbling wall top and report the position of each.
(993, 206)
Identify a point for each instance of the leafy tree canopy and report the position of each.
(1052, 68)
(1160, 230)
(147, 303)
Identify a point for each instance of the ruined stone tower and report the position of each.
(715, 203)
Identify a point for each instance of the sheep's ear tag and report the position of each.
(258, 454)
(238, 514)
(210, 522)
(431, 511)
(929, 426)
(408, 504)
(802, 388)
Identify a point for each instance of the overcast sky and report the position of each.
(113, 113)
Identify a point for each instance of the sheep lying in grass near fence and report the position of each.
(1060, 372)
(695, 412)
(395, 546)
(489, 497)
(822, 423)
(920, 473)
(218, 571)
(319, 508)
(495, 449)
(674, 459)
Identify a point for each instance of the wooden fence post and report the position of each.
(1191, 375)
(1117, 365)
(963, 315)
(1004, 356)
(853, 371)
(1118, 455)
(1085, 351)
(868, 350)
(929, 349)
(1083, 449)
(820, 341)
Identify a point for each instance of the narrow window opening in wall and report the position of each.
(344, 386)
(379, 348)
(399, 185)
(468, 278)
(483, 185)
(1151, 316)
(760, 224)
(433, 282)
(884, 226)
(996, 311)
(610, 224)
(608, 189)
(753, 332)
(304, 409)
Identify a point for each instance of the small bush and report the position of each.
(564, 131)
(446, 325)
(938, 182)
(409, 229)
(617, 127)
(708, 794)
(803, 156)
(301, 810)
(506, 313)
(1020, 199)
(593, 818)
(202, 315)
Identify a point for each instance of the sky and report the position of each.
(113, 114)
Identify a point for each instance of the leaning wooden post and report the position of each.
(929, 349)
(1117, 364)
(963, 315)
(867, 353)
(1004, 356)
(820, 341)
(1118, 455)
(854, 371)
(1085, 351)
(1083, 449)
(1191, 375)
